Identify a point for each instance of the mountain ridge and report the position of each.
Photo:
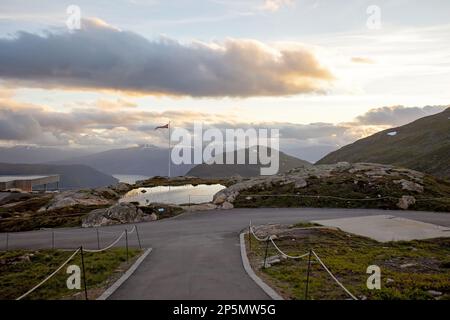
(423, 145)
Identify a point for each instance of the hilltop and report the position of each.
(286, 163)
(422, 145)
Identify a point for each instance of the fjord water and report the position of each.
(173, 195)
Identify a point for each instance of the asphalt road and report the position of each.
(195, 255)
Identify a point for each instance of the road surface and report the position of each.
(195, 255)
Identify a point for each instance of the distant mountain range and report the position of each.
(72, 176)
(423, 145)
(244, 170)
(31, 154)
(144, 160)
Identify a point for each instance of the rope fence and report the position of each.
(9, 237)
(80, 250)
(49, 276)
(338, 198)
(269, 239)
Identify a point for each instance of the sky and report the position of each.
(325, 73)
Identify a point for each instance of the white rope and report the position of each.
(46, 279)
(256, 237)
(286, 255)
(332, 276)
(132, 230)
(108, 247)
(115, 232)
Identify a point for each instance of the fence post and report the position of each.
(307, 274)
(84, 273)
(7, 241)
(98, 240)
(249, 238)
(53, 239)
(139, 238)
(265, 255)
(126, 241)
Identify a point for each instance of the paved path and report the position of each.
(196, 255)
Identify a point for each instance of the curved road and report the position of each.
(195, 255)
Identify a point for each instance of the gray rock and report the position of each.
(405, 201)
(409, 185)
(226, 205)
(122, 187)
(408, 265)
(270, 261)
(80, 197)
(434, 293)
(117, 214)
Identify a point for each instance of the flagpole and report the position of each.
(168, 177)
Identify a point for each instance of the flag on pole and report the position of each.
(166, 126)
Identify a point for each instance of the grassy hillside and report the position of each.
(244, 170)
(423, 145)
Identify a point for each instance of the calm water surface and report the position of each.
(175, 194)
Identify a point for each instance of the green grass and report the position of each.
(305, 224)
(18, 274)
(348, 257)
(32, 219)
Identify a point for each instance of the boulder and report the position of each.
(409, 185)
(226, 205)
(117, 214)
(219, 198)
(405, 201)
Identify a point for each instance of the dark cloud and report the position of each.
(17, 126)
(99, 56)
(397, 115)
(113, 128)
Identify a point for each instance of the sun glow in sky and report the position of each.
(312, 67)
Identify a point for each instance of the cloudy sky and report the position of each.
(325, 73)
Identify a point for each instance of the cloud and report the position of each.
(17, 126)
(119, 103)
(275, 5)
(362, 60)
(101, 57)
(107, 128)
(396, 115)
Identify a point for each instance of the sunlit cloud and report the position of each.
(102, 57)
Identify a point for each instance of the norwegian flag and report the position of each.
(166, 126)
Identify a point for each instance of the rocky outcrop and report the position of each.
(366, 175)
(116, 214)
(102, 197)
(89, 197)
(121, 188)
